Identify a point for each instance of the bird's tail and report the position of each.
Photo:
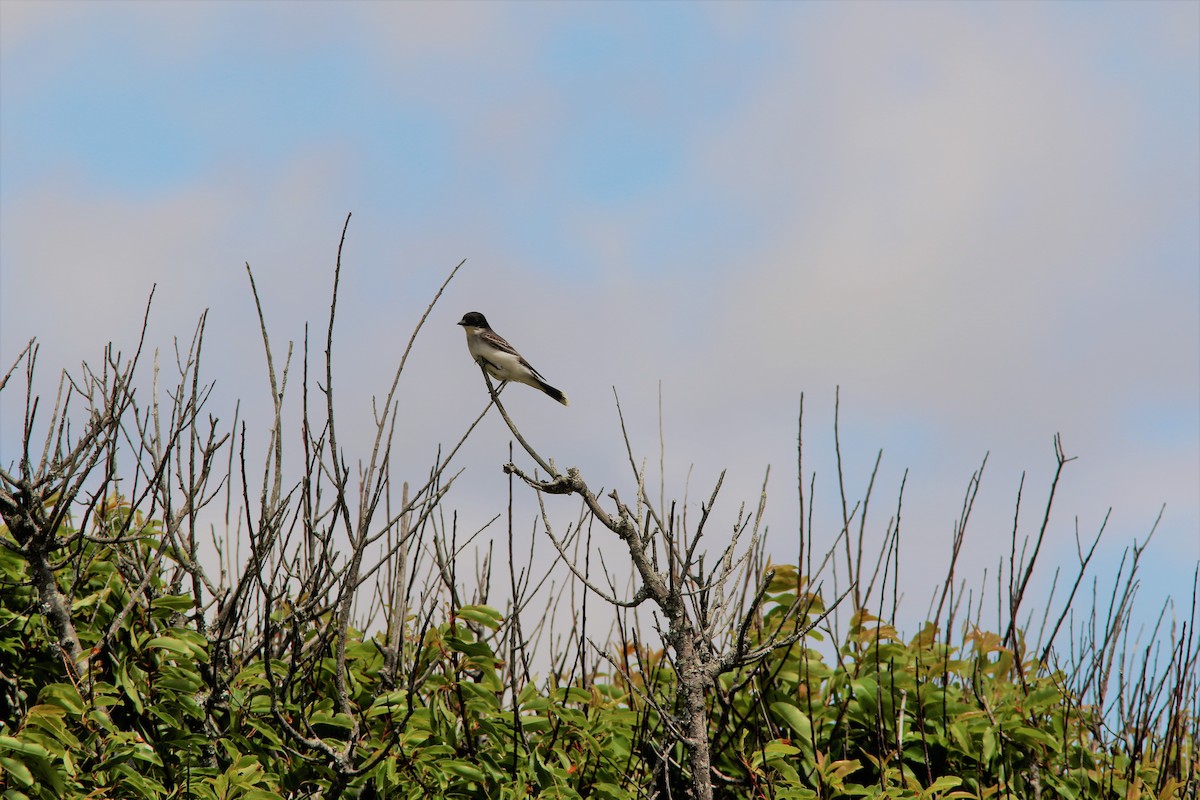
(554, 393)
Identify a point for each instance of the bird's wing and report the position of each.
(497, 341)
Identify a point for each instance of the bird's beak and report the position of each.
(460, 322)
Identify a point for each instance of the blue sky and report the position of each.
(980, 220)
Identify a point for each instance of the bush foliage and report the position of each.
(884, 718)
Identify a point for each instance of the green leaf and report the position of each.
(63, 695)
(1045, 697)
(144, 752)
(338, 720)
(130, 688)
(942, 784)
(795, 719)
(1033, 736)
(19, 772)
(573, 694)
(989, 745)
(266, 731)
(23, 747)
(482, 615)
(47, 717)
(777, 749)
(173, 602)
(535, 724)
(168, 643)
(389, 703)
(53, 747)
(472, 649)
(462, 769)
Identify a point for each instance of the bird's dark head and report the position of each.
(473, 319)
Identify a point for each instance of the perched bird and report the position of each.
(501, 359)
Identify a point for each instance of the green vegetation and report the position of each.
(886, 718)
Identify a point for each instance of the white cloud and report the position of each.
(960, 220)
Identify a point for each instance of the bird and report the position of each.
(501, 359)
